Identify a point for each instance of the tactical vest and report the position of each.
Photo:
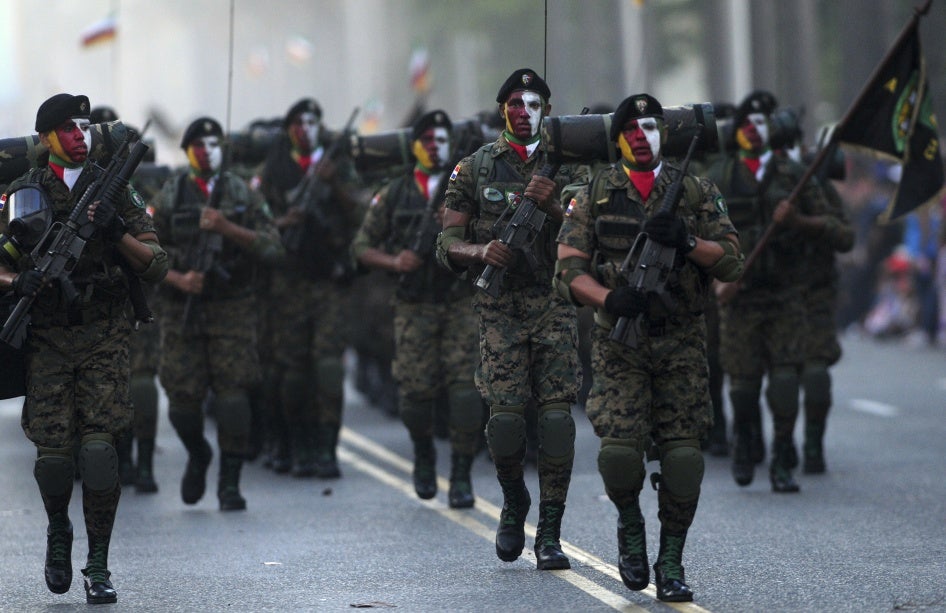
(430, 283)
(184, 229)
(618, 220)
(499, 189)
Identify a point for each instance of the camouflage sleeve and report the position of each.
(460, 196)
(134, 214)
(839, 232)
(375, 227)
(267, 247)
(162, 207)
(712, 221)
(577, 229)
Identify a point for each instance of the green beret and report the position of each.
(306, 105)
(203, 126)
(634, 107)
(433, 119)
(523, 79)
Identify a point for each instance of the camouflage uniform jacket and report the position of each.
(177, 215)
(605, 219)
(100, 281)
(490, 200)
(397, 214)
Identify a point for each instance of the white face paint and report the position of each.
(651, 130)
(442, 138)
(533, 102)
(761, 126)
(214, 152)
(310, 124)
(83, 124)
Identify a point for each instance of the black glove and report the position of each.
(668, 231)
(107, 220)
(626, 301)
(27, 283)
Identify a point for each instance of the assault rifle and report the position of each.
(309, 194)
(654, 261)
(58, 251)
(205, 251)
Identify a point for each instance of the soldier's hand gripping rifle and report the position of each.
(521, 231)
(206, 249)
(654, 261)
(307, 195)
(59, 250)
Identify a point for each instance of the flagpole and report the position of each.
(828, 146)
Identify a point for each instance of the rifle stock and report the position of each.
(654, 261)
(58, 252)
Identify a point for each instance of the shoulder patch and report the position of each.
(721, 205)
(456, 171)
(374, 201)
(136, 198)
(571, 207)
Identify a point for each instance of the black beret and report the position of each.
(433, 119)
(103, 114)
(634, 107)
(759, 101)
(203, 126)
(522, 79)
(306, 105)
(60, 108)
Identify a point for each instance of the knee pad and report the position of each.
(417, 415)
(817, 383)
(506, 432)
(98, 462)
(556, 431)
(55, 471)
(621, 465)
(681, 469)
(144, 396)
(744, 396)
(232, 410)
(330, 377)
(466, 408)
(782, 392)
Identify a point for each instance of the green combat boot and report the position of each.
(548, 548)
(326, 464)
(668, 570)
(194, 483)
(460, 495)
(425, 468)
(126, 467)
(58, 569)
(813, 450)
(144, 479)
(743, 466)
(510, 535)
(98, 587)
(228, 486)
(780, 471)
(632, 549)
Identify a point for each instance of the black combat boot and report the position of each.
(756, 440)
(814, 450)
(668, 570)
(194, 483)
(780, 472)
(548, 548)
(425, 468)
(303, 452)
(228, 485)
(632, 548)
(326, 464)
(59, 554)
(126, 466)
(144, 480)
(460, 495)
(743, 466)
(98, 587)
(510, 535)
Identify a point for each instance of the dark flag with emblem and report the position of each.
(894, 119)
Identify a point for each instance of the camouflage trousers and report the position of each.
(653, 394)
(821, 339)
(759, 331)
(436, 350)
(217, 353)
(77, 382)
(145, 356)
(529, 354)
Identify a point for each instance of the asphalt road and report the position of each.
(869, 535)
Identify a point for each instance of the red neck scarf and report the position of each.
(643, 180)
(423, 182)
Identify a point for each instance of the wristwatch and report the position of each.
(691, 244)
